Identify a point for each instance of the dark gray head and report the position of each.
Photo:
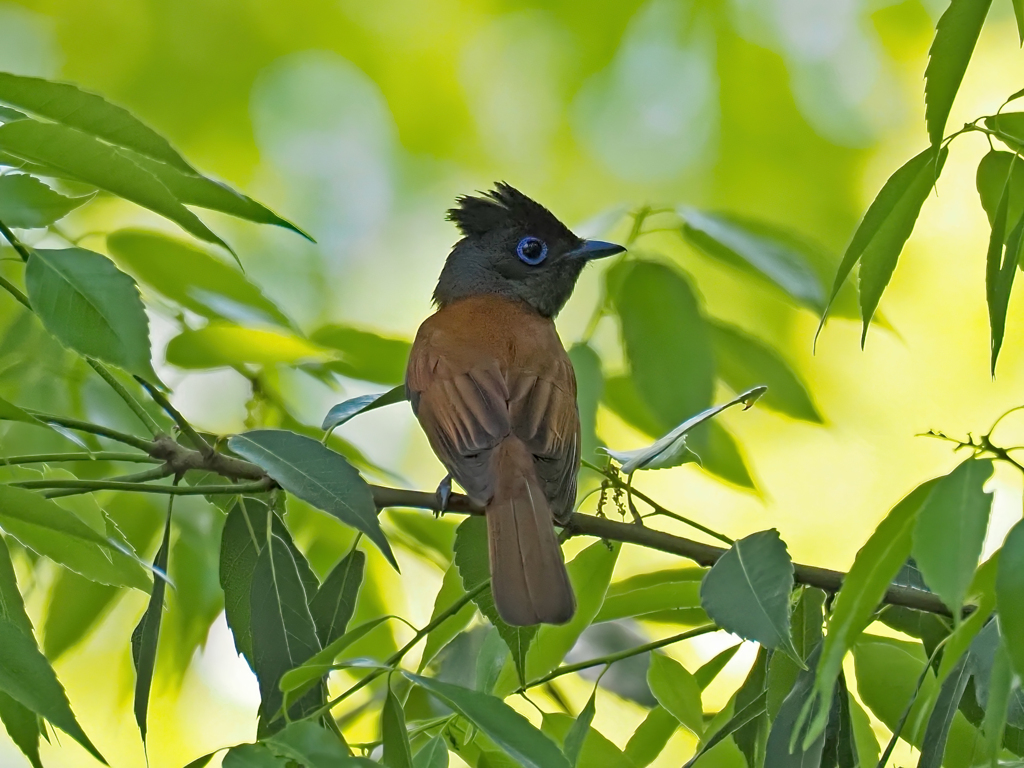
(514, 247)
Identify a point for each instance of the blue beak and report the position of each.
(596, 249)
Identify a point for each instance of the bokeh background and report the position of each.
(362, 121)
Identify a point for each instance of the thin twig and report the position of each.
(12, 289)
(173, 490)
(135, 406)
(95, 429)
(186, 429)
(16, 244)
(157, 473)
(56, 458)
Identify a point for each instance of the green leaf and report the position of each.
(756, 248)
(192, 278)
(1018, 12)
(747, 591)
(12, 605)
(334, 603)
(677, 691)
(51, 530)
(667, 341)
(433, 755)
(252, 756)
(27, 203)
(787, 744)
(937, 731)
(840, 749)
(244, 535)
(983, 593)
(431, 538)
(80, 157)
(310, 745)
(589, 390)
(622, 398)
(283, 633)
(595, 750)
(471, 560)
(76, 607)
(27, 677)
(579, 731)
(999, 685)
(365, 355)
(1009, 127)
(1000, 269)
(806, 623)
(709, 670)
(675, 589)
(743, 717)
(22, 726)
(351, 408)
(509, 730)
(147, 634)
(451, 590)
(651, 736)
(744, 362)
(317, 475)
(950, 531)
(397, 752)
(1010, 594)
(11, 412)
(993, 176)
(752, 737)
(955, 37)
(91, 307)
(221, 344)
(885, 228)
(877, 562)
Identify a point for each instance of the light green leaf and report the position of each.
(147, 634)
(451, 590)
(950, 531)
(676, 589)
(334, 603)
(595, 749)
(709, 670)
(651, 736)
(397, 752)
(192, 278)
(983, 593)
(317, 475)
(747, 591)
(509, 730)
(349, 409)
(221, 344)
(310, 745)
(364, 355)
(27, 203)
(80, 157)
(579, 731)
(1010, 594)
(1000, 269)
(252, 756)
(589, 390)
(677, 691)
(993, 175)
(90, 306)
(756, 248)
(937, 731)
(743, 717)
(11, 412)
(1009, 127)
(955, 37)
(784, 745)
(433, 755)
(752, 737)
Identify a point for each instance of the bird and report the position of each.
(495, 392)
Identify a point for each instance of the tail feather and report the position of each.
(528, 576)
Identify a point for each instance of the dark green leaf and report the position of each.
(397, 752)
(283, 633)
(1018, 12)
(1000, 269)
(1010, 594)
(1009, 127)
(1000, 686)
(885, 228)
(718, 453)
(27, 203)
(788, 744)
(349, 409)
(651, 736)
(451, 590)
(752, 737)
(676, 690)
(471, 560)
(334, 603)
(806, 623)
(744, 716)
(309, 745)
(993, 176)
(950, 530)
(8, 115)
(579, 730)
(512, 732)
(840, 749)
(955, 37)
(755, 248)
(82, 158)
(365, 355)
(22, 726)
(747, 591)
(490, 661)
(147, 634)
(317, 475)
(431, 538)
(221, 344)
(244, 535)
(12, 606)
(622, 398)
(888, 673)
(27, 677)
(937, 731)
(433, 755)
(192, 278)
(744, 362)
(987, 649)
(252, 756)
(11, 412)
(596, 750)
(90, 306)
(709, 670)
(589, 390)
(76, 606)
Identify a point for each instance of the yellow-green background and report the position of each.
(362, 120)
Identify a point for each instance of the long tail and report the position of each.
(528, 576)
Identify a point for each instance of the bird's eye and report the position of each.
(532, 251)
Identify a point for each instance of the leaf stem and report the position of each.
(157, 473)
(16, 244)
(136, 407)
(12, 289)
(174, 490)
(186, 429)
(95, 429)
(54, 458)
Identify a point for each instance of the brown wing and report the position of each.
(483, 369)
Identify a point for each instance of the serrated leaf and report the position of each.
(509, 730)
(884, 230)
(316, 475)
(192, 278)
(787, 744)
(840, 749)
(1010, 594)
(91, 307)
(221, 344)
(76, 606)
(21, 723)
(806, 621)
(334, 603)
(75, 155)
(950, 531)
(987, 651)
(956, 34)
(147, 634)
(310, 745)
(747, 591)
(27, 203)
(434, 754)
(365, 355)
(650, 737)
(756, 248)
(992, 177)
(351, 408)
(677, 691)
(1000, 269)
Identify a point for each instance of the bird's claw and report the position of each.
(443, 494)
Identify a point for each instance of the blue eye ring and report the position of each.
(527, 250)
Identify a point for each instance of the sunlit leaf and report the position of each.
(83, 158)
(316, 475)
(192, 278)
(434, 754)
(756, 248)
(397, 752)
(512, 732)
(1009, 127)
(676, 589)
(983, 593)
(950, 530)
(147, 633)
(677, 691)
(955, 37)
(708, 671)
(349, 409)
(451, 590)
(21, 723)
(752, 737)
(221, 344)
(1010, 594)
(806, 629)
(90, 306)
(594, 748)
(363, 354)
(334, 603)
(309, 745)
(579, 730)
(787, 744)
(301, 678)
(651, 736)
(747, 591)
(937, 731)
(993, 175)
(27, 203)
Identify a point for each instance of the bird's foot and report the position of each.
(443, 494)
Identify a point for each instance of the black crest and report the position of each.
(501, 208)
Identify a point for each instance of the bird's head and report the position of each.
(514, 247)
